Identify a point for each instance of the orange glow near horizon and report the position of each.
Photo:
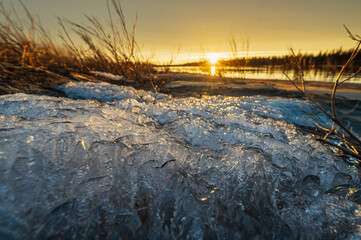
(210, 26)
(213, 58)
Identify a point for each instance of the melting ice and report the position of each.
(112, 162)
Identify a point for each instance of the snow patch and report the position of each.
(108, 75)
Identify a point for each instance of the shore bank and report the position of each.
(16, 79)
(198, 84)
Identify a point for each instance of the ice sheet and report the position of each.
(211, 167)
(107, 92)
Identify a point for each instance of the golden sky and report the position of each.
(204, 26)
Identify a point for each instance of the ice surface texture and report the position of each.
(107, 92)
(212, 167)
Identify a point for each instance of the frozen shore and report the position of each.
(114, 162)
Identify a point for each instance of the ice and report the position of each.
(108, 164)
(107, 92)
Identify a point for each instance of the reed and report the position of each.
(108, 48)
(241, 63)
(347, 141)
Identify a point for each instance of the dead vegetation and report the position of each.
(108, 48)
(337, 134)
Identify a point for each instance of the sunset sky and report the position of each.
(204, 26)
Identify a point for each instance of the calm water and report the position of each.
(261, 73)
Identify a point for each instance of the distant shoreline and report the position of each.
(199, 83)
(35, 81)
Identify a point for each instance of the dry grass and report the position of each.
(346, 140)
(241, 63)
(24, 42)
(109, 48)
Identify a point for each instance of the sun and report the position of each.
(213, 58)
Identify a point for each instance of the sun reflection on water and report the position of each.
(213, 70)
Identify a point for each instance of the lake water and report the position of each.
(261, 73)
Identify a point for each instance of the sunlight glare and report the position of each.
(213, 58)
